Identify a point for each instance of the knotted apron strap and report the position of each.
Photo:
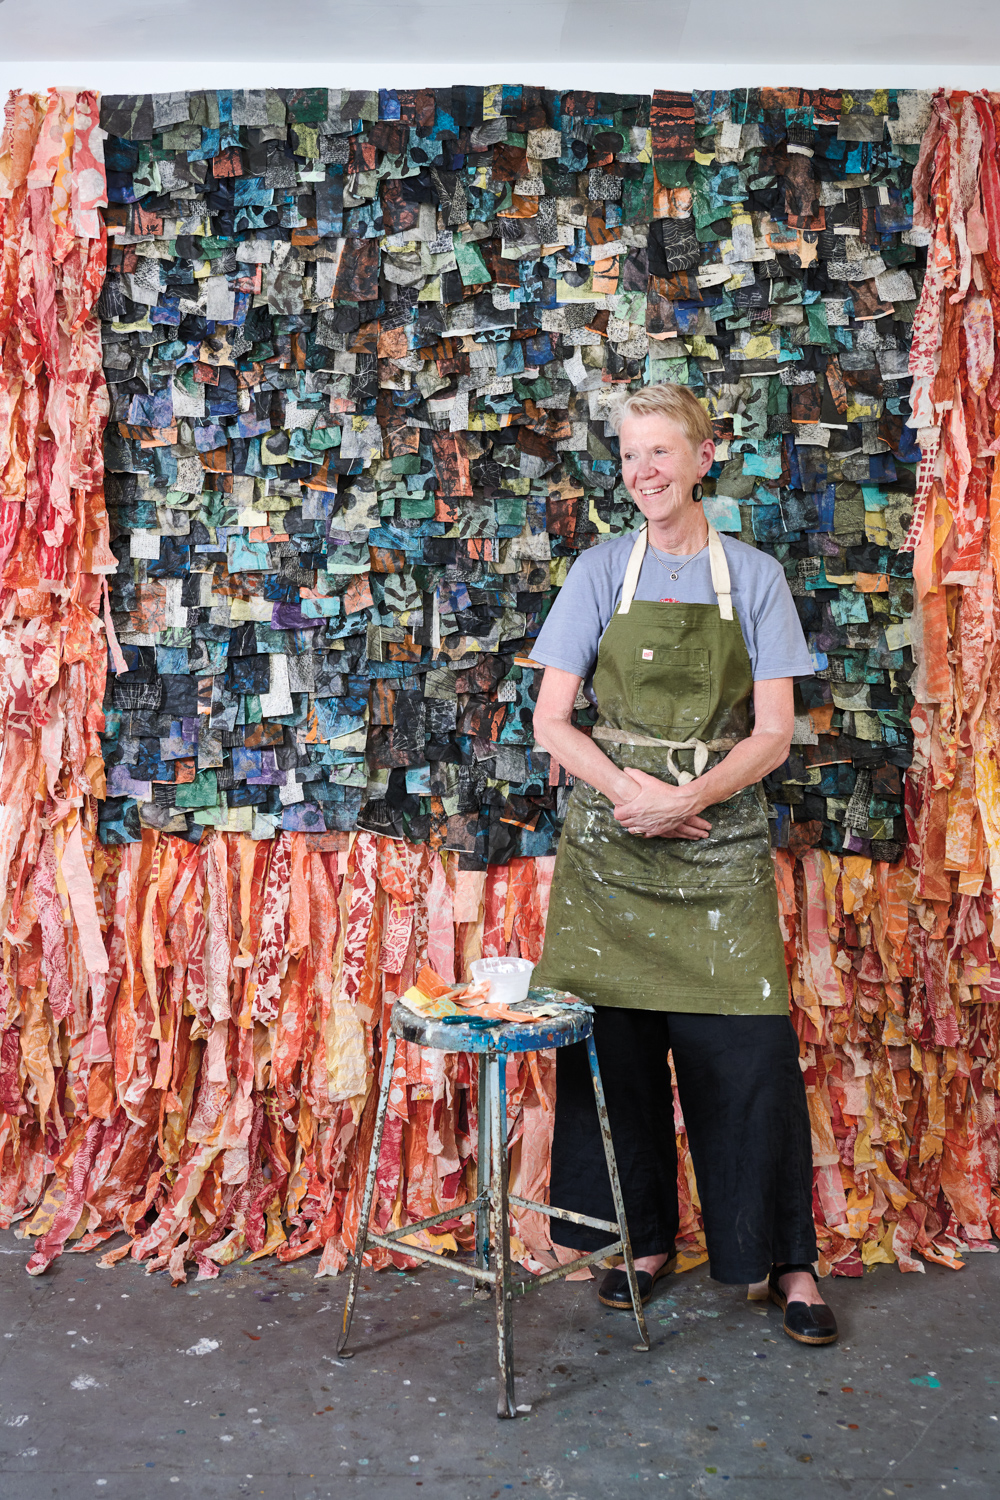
(632, 571)
(701, 750)
(655, 741)
(720, 574)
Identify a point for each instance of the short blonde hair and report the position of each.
(677, 403)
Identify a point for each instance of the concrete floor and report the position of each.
(116, 1385)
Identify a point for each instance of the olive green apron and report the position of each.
(661, 923)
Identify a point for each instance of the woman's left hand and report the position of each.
(660, 810)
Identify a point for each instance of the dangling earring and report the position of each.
(697, 493)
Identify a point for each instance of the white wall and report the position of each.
(618, 45)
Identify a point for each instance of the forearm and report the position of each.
(581, 757)
(745, 764)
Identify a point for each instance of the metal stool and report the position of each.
(491, 1262)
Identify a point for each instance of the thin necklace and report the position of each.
(675, 572)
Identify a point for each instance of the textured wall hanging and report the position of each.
(360, 350)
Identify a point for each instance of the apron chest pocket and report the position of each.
(672, 687)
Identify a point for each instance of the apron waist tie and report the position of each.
(701, 749)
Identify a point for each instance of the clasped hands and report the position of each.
(656, 809)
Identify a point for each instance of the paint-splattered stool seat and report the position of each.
(491, 1264)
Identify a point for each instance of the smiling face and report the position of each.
(659, 465)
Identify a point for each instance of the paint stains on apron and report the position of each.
(669, 924)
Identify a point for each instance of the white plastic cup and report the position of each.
(509, 978)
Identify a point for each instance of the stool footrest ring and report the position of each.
(562, 1213)
(448, 1215)
(616, 1248)
(483, 1273)
(475, 1273)
(473, 1204)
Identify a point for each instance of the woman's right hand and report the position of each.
(658, 810)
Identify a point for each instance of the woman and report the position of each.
(663, 911)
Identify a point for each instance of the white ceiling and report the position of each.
(614, 44)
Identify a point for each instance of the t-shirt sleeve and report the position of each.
(574, 625)
(778, 644)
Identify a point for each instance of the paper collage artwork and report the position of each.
(361, 348)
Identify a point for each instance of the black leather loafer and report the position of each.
(805, 1322)
(613, 1290)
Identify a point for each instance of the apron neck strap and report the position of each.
(632, 570)
(717, 562)
(720, 574)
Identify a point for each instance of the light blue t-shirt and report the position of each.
(762, 601)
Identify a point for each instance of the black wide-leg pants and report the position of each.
(747, 1122)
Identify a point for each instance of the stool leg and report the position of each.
(500, 1236)
(366, 1205)
(616, 1192)
(482, 1254)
